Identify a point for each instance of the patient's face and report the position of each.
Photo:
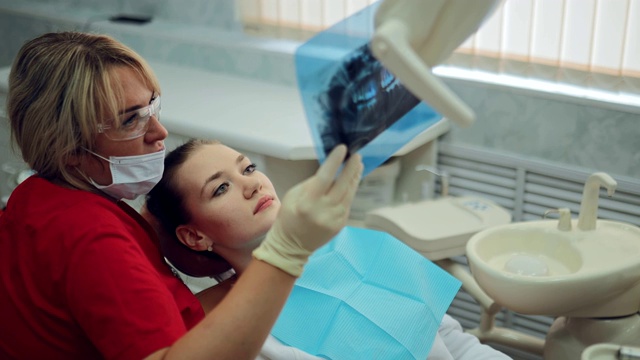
(230, 201)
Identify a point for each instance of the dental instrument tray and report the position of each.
(438, 229)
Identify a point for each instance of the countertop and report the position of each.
(247, 114)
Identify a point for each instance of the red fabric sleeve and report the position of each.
(81, 279)
(119, 299)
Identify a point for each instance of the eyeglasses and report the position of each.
(132, 124)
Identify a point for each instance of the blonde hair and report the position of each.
(60, 87)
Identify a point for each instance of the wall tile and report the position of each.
(558, 131)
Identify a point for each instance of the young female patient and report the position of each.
(214, 201)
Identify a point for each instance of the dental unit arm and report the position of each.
(413, 36)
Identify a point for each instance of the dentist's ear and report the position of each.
(192, 238)
(74, 159)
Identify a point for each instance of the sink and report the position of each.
(520, 251)
(585, 267)
(534, 268)
(610, 351)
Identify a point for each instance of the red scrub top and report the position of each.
(82, 278)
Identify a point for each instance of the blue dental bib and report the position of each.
(366, 295)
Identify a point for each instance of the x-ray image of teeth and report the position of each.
(361, 101)
(350, 98)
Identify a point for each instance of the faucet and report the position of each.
(589, 205)
(444, 179)
(564, 222)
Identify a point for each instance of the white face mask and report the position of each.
(132, 176)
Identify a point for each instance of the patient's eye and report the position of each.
(250, 169)
(223, 188)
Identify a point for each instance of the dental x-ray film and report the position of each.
(350, 98)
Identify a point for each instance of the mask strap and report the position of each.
(96, 154)
(85, 176)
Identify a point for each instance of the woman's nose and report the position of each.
(252, 186)
(156, 130)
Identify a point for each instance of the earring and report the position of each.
(210, 248)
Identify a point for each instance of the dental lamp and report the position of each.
(413, 36)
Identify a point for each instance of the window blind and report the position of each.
(586, 43)
(582, 43)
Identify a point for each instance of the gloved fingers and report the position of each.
(327, 172)
(346, 185)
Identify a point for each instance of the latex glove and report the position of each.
(312, 213)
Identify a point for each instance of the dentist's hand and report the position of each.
(312, 213)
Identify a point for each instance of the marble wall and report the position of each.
(559, 129)
(205, 34)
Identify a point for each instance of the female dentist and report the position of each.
(81, 273)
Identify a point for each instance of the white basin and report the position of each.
(608, 351)
(535, 268)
